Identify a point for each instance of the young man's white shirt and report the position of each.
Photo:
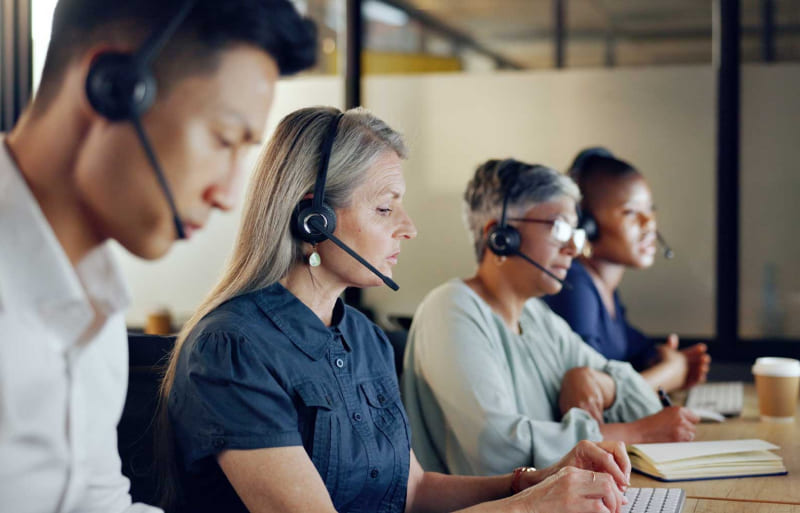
(63, 366)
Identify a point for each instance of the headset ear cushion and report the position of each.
(503, 240)
(589, 225)
(119, 87)
(303, 212)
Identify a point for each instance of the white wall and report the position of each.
(660, 119)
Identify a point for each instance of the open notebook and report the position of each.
(689, 461)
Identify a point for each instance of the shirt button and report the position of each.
(218, 443)
(357, 417)
(339, 363)
(381, 398)
(373, 473)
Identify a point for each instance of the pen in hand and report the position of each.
(665, 402)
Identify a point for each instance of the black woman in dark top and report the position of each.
(619, 201)
(280, 398)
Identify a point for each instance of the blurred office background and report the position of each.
(700, 95)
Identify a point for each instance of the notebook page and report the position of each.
(666, 452)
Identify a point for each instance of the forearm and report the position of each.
(664, 374)
(608, 388)
(627, 432)
(439, 493)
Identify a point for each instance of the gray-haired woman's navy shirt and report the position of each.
(263, 371)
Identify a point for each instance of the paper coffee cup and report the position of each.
(159, 322)
(777, 385)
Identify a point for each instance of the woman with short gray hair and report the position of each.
(493, 379)
(483, 199)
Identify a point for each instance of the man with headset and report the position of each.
(137, 133)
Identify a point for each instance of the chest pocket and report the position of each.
(386, 408)
(322, 440)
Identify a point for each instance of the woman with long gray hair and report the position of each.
(492, 378)
(279, 398)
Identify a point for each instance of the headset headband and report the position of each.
(156, 41)
(324, 159)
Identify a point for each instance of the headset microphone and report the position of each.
(505, 240)
(668, 253)
(122, 87)
(313, 220)
(318, 225)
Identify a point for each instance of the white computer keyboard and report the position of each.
(654, 500)
(724, 398)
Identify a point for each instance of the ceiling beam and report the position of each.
(639, 35)
(457, 36)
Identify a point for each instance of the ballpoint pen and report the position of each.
(662, 395)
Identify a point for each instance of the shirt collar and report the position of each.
(36, 273)
(298, 322)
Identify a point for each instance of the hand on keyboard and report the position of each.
(571, 490)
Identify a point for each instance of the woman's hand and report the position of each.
(673, 363)
(698, 362)
(608, 457)
(588, 389)
(684, 368)
(571, 490)
(672, 424)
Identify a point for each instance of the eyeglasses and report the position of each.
(562, 232)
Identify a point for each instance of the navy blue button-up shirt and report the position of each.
(262, 371)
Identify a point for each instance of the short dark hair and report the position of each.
(212, 25)
(595, 164)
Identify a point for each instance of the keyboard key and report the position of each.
(725, 398)
(654, 500)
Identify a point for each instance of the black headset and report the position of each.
(585, 218)
(314, 220)
(587, 221)
(505, 240)
(502, 239)
(315, 208)
(122, 87)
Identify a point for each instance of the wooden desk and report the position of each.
(722, 506)
(781, 489)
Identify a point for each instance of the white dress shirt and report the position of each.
(63, 366)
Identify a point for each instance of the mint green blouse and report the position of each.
(483, 400)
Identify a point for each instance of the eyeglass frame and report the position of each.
(553, 222)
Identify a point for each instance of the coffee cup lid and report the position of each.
(781, 367)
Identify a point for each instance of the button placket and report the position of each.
(358, 418)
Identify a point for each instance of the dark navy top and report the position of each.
(262, 370)
(583, 309)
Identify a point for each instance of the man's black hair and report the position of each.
(212, 25)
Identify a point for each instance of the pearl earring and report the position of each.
(314, 260)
